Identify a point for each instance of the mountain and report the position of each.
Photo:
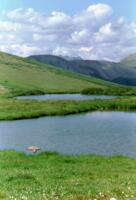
(71, 58)
(22, 75)
(130, 60)
(120, 73)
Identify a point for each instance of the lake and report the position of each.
(65, 97)
(102, 133)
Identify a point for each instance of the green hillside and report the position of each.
(21, 75)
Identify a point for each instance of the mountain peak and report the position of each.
(130, 60)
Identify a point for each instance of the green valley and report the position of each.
(67, 100)
(21, 76)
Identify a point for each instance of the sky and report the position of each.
(121, 7)
(91, 29)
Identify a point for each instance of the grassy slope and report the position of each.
(52, 177)
(24, 76)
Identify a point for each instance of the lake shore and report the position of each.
(12, 109)
(53, 176)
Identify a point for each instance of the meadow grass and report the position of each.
(11, 109)
(50, 176)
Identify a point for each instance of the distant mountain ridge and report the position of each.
(71, 58)
(123, 72)
(130, 60)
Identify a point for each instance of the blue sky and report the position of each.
(120, 7)
(91, 29)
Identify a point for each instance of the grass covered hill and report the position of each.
(21, 75)
(121, 72)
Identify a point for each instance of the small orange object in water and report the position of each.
(33, 149)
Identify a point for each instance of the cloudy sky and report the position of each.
(91, 29)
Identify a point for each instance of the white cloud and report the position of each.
(8, 37)
(20, 14)
(80, 36)
(90, 34)
(105, 33)
(99, 10)
(46, 38)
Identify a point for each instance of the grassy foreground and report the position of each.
(51, 176)
(11, 109)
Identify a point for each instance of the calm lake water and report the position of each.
(65, 97)
(103, 133)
